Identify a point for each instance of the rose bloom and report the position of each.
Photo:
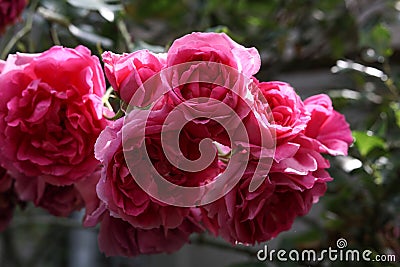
(255, 217)
(289, 114)
(327, 127)
(297, 177)
(118, 189)
(127, 72)
(10, 10)
(119, 238)
(212, 65)
(51, 114)
(132, 222)
(7, 199)
(214, 47)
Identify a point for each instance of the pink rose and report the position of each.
(297, 177)
(327, 127)
(127, 72)
(289, 115)
(261, 215)
(118, 189)
(211, 65)
(51, 114)
(214, 47)
(131, 221)
(10, 10)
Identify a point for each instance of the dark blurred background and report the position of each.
(348, 49)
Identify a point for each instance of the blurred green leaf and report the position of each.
(379, 39)
(366, 142)
(396, 109)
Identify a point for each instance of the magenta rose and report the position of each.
(327, 127)
(127, 72)
(51, 114)
(10, 10)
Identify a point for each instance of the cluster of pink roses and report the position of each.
(63, 155)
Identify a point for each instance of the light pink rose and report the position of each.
(51, 114)
(327, 127)
(127, 72)
(10, 10)
(7, 199)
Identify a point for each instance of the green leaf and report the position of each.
(366, 142)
